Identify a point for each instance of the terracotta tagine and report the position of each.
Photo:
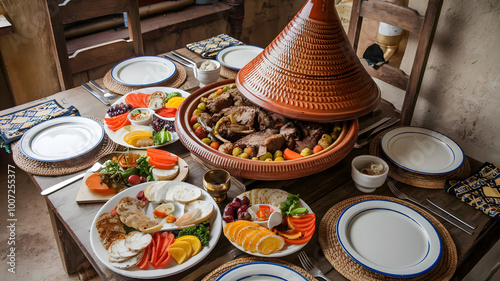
(310, 71)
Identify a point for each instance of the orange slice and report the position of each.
(243, 233)
(270, 244)
(252, 244)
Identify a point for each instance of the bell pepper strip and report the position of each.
(161, 165)
(144, 261)
(167, 112)
(152, 258)
(291, 155)
(161, 155)
(164, 256)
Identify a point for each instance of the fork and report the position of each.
(107, 94)
(403, 196)
(310, 267)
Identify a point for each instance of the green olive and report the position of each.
(233, 86)
(236, 151)
(225, 89)
(279, 159)
(202, 106)
(197, 112)
(269, 159)
(306, 152)
(325, 141)
(207, 141)
(203, 99)
(268, 155)
(244, 155)
(196, 125)
(214, 95)
(278, 153)
(255, 158)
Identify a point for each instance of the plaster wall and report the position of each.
(460, 93)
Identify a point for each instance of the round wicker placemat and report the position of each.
(353, 271)
(228, 73)
(83, 162)
(416, 179)
(225, 267)
(174, 82)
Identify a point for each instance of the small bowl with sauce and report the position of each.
(265, 215)
(368, 172)
(141, 116)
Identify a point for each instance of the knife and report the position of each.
(62, 184)
(179, 61)
(95, 94)
(455, 216)
(107, 95)
(374, 125)
(183, 57)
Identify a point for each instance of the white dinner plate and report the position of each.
(389, 238)
(172, 267)
(422, 150)
(236, 57)
(117, 136)
(143, 71)
(261, 271)
(288, 249)
(61, 138)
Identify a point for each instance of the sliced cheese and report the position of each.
(206, 209)
(163, 175)
(185, 194)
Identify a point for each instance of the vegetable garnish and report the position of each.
(201, 231)
(291, 207)
(171, 95)
(162, 137)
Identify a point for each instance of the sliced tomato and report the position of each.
(161, 165)
(302, 221)
(167, 112)
(305, 238)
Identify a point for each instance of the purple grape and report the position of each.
(245, 201)
(228, 219)
(236, 205)
(228, 210)
(159, 124)
(236, 199)
(244, 216)
(243, 209)
(118, 109)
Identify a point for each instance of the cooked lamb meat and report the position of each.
(220, 102)
(312, 132)
(233, 131)
(226, 147)
(262, 142)
(291, 134)
(244, 115)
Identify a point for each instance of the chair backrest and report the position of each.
(87, 58)
(408, 19)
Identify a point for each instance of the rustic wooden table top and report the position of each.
(320, 191)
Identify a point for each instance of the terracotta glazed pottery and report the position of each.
(261, 170)
(310, 71)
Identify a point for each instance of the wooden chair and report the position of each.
(407, 19)
(87, 58)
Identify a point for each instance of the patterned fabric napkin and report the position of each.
(481, 190)
(14, 125)
(208, 48)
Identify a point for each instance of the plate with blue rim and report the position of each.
(261, 271)
(143, 71)
(389, 238)
(422, 150)
(236, 57)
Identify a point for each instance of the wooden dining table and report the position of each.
(72, 221)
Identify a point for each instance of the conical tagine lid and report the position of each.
(310, 71)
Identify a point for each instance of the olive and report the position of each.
(244, 155)
(196, 125)
(202, 106)
(279, 159)
(306, 152)
(236, 151)
(278, 153)
(225, 89)
(207, 141)
(266, 156)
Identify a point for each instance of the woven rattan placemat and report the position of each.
(174, 82)
(79, 163)
(353, 271)
(228, 73)
(415, 179)
(225, 267)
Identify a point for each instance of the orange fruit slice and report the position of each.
(194, 241)
(252, 244)
(178, 254)
(236, 227)
(270, 244)
(243, 233)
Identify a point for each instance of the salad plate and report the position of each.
(288, 248)
(143, 71)
(389, 238)
(171, 267)
(422, 150)
(236, 57)
(261, 271)
(118, 135)
(61, 138)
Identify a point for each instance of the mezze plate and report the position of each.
(236, 57)
(261, 271)
(422, 150)
(61, 138)
(389, 238)
(171, 267)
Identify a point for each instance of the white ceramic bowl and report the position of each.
(367, 183)
(144, 122)
(265, 223)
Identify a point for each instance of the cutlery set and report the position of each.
(470, 226)
(183, 59)
(376, 127)
(107, 95)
